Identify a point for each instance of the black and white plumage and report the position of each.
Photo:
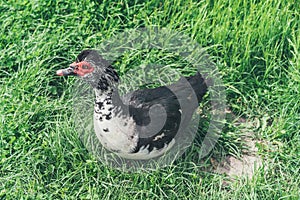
(128, 125)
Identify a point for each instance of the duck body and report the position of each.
(142, 124)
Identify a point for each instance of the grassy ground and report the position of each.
(254, 43)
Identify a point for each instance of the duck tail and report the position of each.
(199, 85)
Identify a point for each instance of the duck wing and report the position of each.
(159, 113)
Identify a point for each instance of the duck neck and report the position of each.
(108, 99)
(110, 96)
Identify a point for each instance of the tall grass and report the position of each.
(255, 45)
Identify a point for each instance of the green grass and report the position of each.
(255, 45)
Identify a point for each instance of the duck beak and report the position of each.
(66, 72)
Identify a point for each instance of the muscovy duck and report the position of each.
(127, 125)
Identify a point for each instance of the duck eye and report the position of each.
(85, 67)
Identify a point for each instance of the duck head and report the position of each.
(93, 69)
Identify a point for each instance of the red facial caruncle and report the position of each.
(80, 69)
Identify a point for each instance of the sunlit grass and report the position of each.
(254, 44)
